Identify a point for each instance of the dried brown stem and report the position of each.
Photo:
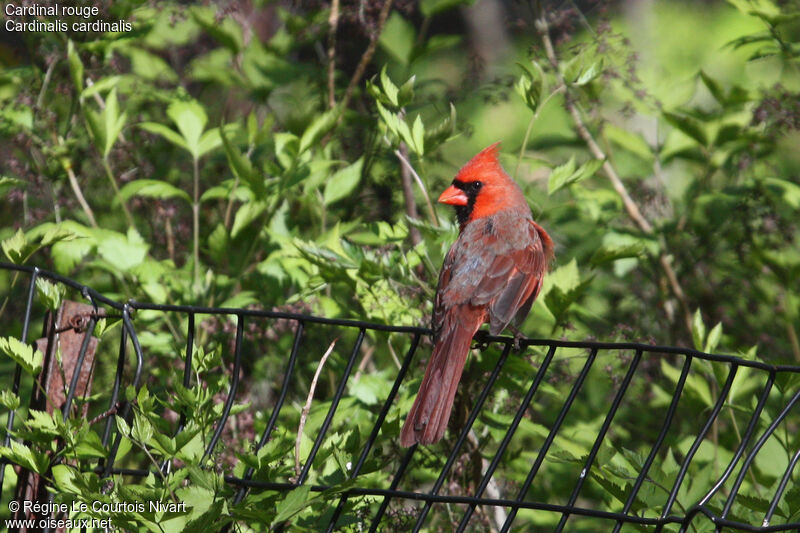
(410, 169)
(630, 206)
(307, 407)
(76, 188)
(333, 21)
(367, 55)
(408, 195)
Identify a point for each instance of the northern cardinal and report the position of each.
(492, 273)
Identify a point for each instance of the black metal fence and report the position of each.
(711, 503)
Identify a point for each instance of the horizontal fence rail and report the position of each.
(513, 470)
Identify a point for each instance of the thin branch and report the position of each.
(367, 56)
(408, 195)
(366, 360)
(431, 211)
(47, 77)
(307, 407)
(630, 206)
(76, 188)
(333, 21)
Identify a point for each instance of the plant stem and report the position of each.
(333, 21)
(528, 131)
(408, 196)
(114, 185)
(76, 189)
(630, 206)
(431, 211)
(525, 142)
(196, 219)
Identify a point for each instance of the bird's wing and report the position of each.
(499, 263)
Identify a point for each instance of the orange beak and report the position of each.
(453, 196)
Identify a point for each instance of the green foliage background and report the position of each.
(216, 156)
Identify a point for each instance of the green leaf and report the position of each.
(590, 73)
(141, 430)
(713, 338)
(418, 136)
(113, 122)
(169, 134)
(27, 356)
(293, 503)
(7, 184)
(17, 248)
(786, 190)
(566, 174)
(246, 214)
(190, 118)
(9, 400)
(406, 93)
(560, 175)
(698, 330)
(24, 456)
(343, 182)
(397, 38)
(688, 125)
(50, 294)
(210, 140)
(319, 127)
(628, 140)
(75, 66)
(241, 166)
(122, 426)
(68, 480)
(389, 88)
(430, 8)
(151, 189)
(100, 86)
(122, 252)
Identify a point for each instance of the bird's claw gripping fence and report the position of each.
(544, 456)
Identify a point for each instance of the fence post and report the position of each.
(67, 331)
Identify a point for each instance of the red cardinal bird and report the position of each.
(492, 273)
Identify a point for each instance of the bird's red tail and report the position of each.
(427, 420)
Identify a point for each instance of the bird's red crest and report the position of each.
(483, 165)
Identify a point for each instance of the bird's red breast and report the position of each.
(492, 273)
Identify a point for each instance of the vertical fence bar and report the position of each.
(487, 477)
(723, 395)
(26, 322)
(332, 411)
(673, 406)
(401, 469)
(462, 436)
(237, 366)
(287, 375)
(781, 487)
(375, 429)
(137, 377)
(123, 348)
(752, 455)
(748, 434)
(600, 436)
(550, 438)
(73, 384)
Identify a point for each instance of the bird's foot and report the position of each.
(518, 336)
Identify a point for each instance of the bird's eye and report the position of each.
(476, 185)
